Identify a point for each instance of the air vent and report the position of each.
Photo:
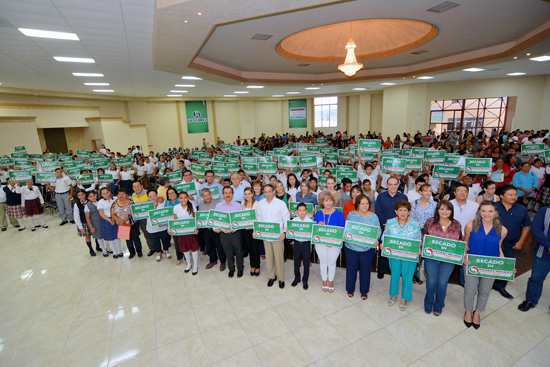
(447, 5)
(262, 37)
(419, 52)
(302, 65)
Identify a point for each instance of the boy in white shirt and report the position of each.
(302, 250)
(33, 204)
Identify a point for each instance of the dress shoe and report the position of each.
(72, 221)
(231, 273)
(295, 283)
(211, 264)
(222, 266)
(271, 281)
(105, 254)
(44, 226)
(525, 306)
(240, 273)
(63, 223)
(131, 256)
(150, 253)
(468, 324)
(33, 229)
(503, 292)
(17, 226)
(245, 254)
(22, 229)
(139, 254)
(380, 275)
(305, 286)
(3, 229)
(195, 272)
(281, 285)
(115, 256)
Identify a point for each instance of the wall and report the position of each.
(75, 138)
(17, 131)
(120, 135)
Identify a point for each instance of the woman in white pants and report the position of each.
(328, 255)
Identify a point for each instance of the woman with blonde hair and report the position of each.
(250, 203)
(331, 188)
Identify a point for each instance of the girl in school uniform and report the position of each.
(94, 221)
(125, 179)
(13, 202)
(171, 202)
(88, 187)
(33, 204)
(112, 170)
(83, 228)
(109, 228)
(188, 244)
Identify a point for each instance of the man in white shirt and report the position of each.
(238, 187)
(152, 157)
(274, 210)
(412, 195)
(464, 210)
(63, 195)
(175, 162)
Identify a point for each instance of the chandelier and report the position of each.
(350, 65)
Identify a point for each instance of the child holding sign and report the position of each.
(33, 204)
(109, 228)
(188, 244)
(302, 250)
(13, 202)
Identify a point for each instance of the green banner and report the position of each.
(401, 248)
(297, 113)
(267, 168)
(321, 141)
(243, 219)
(220, 170)
(225, 147)
(361, 234)
(478, 165)
(343, 153)
(369, 145)
(250, 168)
(104, 179)
(21, 176)
(446, 172)
(391, 164)
(202, 218)
(197, 117)
(412, 163)
(308, 162)
(70, 164)
(491, 267)
(293, 208)
(288, 162)
(327, 235)
(19, 156)
(218, 158)
(267, 231)
(434, 156)
(94, 156)
(182, 227)
(43, 177)
(198, 169)
(219, 220)
(161, 215)
(442, 249)
(50, 166)
(86, 179)
(298, 230)
(528, 149)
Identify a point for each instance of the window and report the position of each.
(326, 111)
(475, 115)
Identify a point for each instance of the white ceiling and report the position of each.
(119, 35)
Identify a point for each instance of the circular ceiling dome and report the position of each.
(374, 38)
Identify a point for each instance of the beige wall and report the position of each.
(19, 132)
(75, 138)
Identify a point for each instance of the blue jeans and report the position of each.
(437, 274)
(540, 270)
(362, 261)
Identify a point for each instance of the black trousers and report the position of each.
(253, 247)
(232, 244)
(213, 245)
(382, 262)
(509, 252)
(302, 252)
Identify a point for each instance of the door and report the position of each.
(56, 141)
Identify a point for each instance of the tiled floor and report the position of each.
(61, 307)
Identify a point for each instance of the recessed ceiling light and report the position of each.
(199, 13)
(540, 58)
(473, 70)
(74, 59)
(387, 83)
(359, 88)
(230, 95)
(189, 77)
(255, 86)
(515, 57)
(95, 75)
(178, 91)
(185, 85)
(425, 77)
(97, 84)
(241, 92)
(516, 74)
(292, 92)
(278, 95)
(528, 54)
(173, 95)
(186, 21)
(49, 34)
(312, 88)
(104, 90)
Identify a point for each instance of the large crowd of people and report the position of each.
(112, 196)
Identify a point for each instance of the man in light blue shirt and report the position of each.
(238, 187)
(525, 181)
(209, 181)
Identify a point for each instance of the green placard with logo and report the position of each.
(480, 166)
(547, 156)
(202, 218)
(293, 208)
(6, 162)
(321, 141)
(104, 179)
(73, 173)
(43, 177)
(250, 168)
(189, 187)
(442, 249)
(65, 158)
(267, 168)
(21, 176)
(197, 117)
(219, 220)
(267, 231)
(298, 230)
(101, 163)
(392, 164)
(280, 151)
(220, 170)
(174, 177)
(418, 152)
(327, 235)
(528, 149)
(161, 215)
(297, 113)
(36, 157)
(446, 172)
(243, 219)
(412, 163)
(369, 145)
(86, 179)
(21, 149)
(182, 227)
(491, 267)
(455, 160)
(23, 164)
(218, 158)
(434, 156)
(308, 162)
(361, 234)
(83, 153)
(70, 164)
(287, 162)
(198, 169)
(232, 165)
(352, 175)
(331, 158)
(94, 156)
(343, 153)
(401, 248)
(17, 156)
(313, 148)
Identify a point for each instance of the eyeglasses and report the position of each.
(462, 191)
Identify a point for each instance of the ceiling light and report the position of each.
(278, 95)
(185, 85)
(104, 90)
(96, 75)
(49, 34)
(173, 95)
(188, 77)
(97, 84)
(230, 95)
(473, 70)
(312, 88)
(74, 59)
(425, 77)
(350, 66)
(199, 13)
(292, 92)
(255, 86)
(387, 83)
(178, 91)
(540, 58)
(515, 57)
(447, 5)
(528, 54)
(516, 74)
(241, 92)
(186, 21)
(359, 88)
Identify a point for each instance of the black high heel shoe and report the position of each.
(476, 326)
(468, 324)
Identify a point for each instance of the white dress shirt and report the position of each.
(275, 212)
(62, 184)
(181, 212)
(105, 206)
(465, 213)
(30, 194)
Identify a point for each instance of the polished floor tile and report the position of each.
(62, 307)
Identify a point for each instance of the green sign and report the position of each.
(352, 175)
(401, 248)
(361, 234)
(478, 165)
(65, 158)
(321, 141)
(197, 117)
(418, 152)
(104, 179)
(198, 169)
(19, 156)
(23, 164)
(219, 220)
(243, 219)
(280, 151)
(174, 177)
(288, 162)
(232, 165)
(6, 162)
(528, 149)
(547, 156)
(220, 171)
(21, 149)
(267, 168)
(327, 235)
(331, 158)
(83, 153)
(218, 158)
(297, 113)
(412, 163)
(70, 164)
(491, 267)
(455, 160)
(434, 156)
(250, 168)
(43, 177)
(298, 230)
(182, 227)
(442, 249)
(101, 163)
(202, 218)
(446, 172)
(225, 147)
(161, 215)
(36, 157)
(73, 173)
(369, 145)
(94, 156)
(391, 164)
(86, 179)
(21, 176)
(267, 231)
(308, 162)
(293, 208)
(343, 153)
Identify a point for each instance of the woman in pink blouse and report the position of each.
(441, 225)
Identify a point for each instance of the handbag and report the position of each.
(124, 231)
